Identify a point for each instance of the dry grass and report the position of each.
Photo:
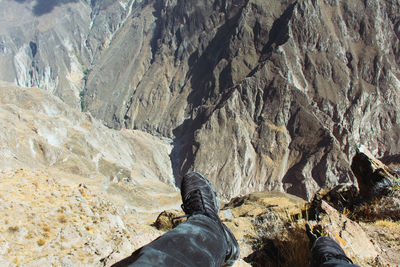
(384, 208)
(295, 250)
(281, 242)
(394, 226)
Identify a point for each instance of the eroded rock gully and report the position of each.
(257, 95)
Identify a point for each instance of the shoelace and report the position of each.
(193, 206)
(193, 203)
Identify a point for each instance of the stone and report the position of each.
(379, 194)
(385, 234)
(349, 235)
(254, 204)
(374, 178)
(167, 220)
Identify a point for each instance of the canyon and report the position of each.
(118, 99)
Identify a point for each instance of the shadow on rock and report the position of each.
(43, 7)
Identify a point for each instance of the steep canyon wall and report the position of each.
(257, 95)
(273, 95)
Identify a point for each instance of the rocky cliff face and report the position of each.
(257, 95)
(51, 44)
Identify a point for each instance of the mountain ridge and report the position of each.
(301, 66)
(238, 85)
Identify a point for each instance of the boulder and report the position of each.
(349, 235)
(374, 178)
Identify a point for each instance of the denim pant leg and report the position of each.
(338, 263)
(200, 241)
(327, 253)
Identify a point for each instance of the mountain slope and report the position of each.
(256, 95)
(40, 132)
(52, 44)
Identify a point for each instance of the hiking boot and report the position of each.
(326, 249)
(199, 197)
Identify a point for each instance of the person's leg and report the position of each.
(203, 240)
(325, 252)
(197, 242)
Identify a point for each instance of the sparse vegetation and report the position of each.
(349, 214)
(287, 248)
(388, 224)
(85, 72)
(281, 240)
(81, 97)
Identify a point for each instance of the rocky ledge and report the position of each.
(47, 219)
(270, 226)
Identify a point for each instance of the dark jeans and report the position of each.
(327, 253)
(197, 242)
(200, 241)
(337, 263)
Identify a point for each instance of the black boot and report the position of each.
(199, 197)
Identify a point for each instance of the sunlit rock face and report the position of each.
(40, 132)
(51, 44)
(257, 95)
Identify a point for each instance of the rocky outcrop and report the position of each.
(270, 229)
(375, 179)
(379, 187)
(256, 95)
(349, 235)
(255, 220)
